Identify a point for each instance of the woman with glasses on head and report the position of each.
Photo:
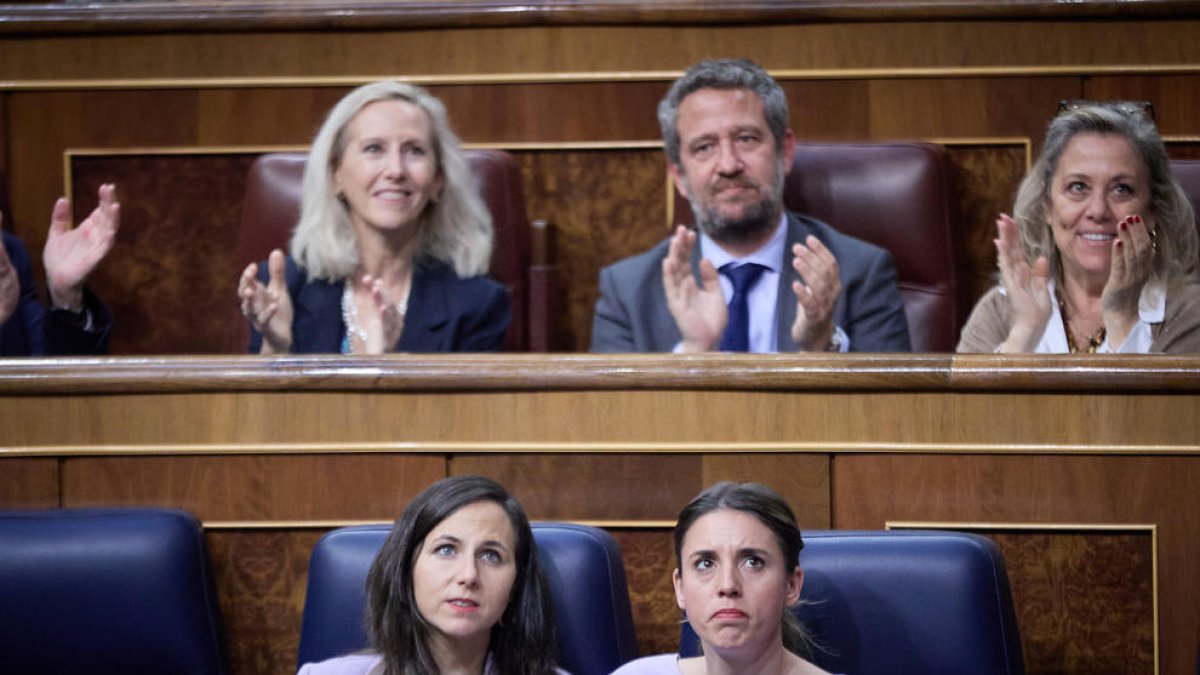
(392, 244)
(1100, 253)
(737, 549)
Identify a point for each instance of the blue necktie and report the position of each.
(737, 332)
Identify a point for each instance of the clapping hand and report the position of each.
(1132, 263)
(699, 310)
(816, 296)
(1026, 286)
(71, 254)
(384, 322)
(268, 308)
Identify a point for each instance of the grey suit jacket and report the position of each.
(632, 316)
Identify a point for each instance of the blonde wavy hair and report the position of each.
(1176, 237)
(457, 229)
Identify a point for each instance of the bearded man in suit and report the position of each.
(754, 278)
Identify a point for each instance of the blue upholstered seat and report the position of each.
(583, 569)
(906, 602)
(104, 591)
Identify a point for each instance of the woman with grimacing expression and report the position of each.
(455, 589)
(736, 576)
(1100, 253)
(392, 244)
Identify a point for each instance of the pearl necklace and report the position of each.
(350, 316)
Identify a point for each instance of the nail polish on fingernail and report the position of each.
(1137, 219)
(1120, 244)
(1123, 226)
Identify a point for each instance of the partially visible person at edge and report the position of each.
(77, 322)
(737, 548)
(392, 244)
(1100, 253)
(456, 589)
(754, 278)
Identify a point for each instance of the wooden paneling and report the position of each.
(649, 557)
(29, 483)
(146, 16)
(605, 205)
(592, 487)
(1084, 600)
(825, 421)
(803, 480)
(1163, 491)
(986, 178)
(255, 488)
(647, 487)
(1175, 97)
(261, 578)
(628, 48)
(170, 279)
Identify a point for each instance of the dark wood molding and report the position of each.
(519, 372)
(150, 16)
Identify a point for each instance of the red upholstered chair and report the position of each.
(271, 208)
(896, 196)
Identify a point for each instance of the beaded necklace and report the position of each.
(1093, 343)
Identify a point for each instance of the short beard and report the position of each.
(756, 219)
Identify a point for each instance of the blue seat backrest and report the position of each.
(103, 591)
(905, 603)
(583, 569)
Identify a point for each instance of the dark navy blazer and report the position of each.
(446, 313)
(31, 331)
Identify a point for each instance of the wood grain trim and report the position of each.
(551, 448)
(332, 524)
(206, 15)
(623, 372)
(263, 149)
(464, 79)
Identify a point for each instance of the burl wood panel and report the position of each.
(649, 558)
(986, 178)
(1084, 600)
(261, 578)
(29, 483)
(870, 490)
(170, 279)
(259, 487)
(605, 205)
